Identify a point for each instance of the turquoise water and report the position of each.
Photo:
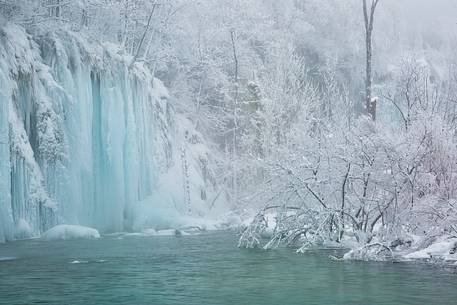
(205, 269)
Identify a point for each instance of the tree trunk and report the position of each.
(370, 102)
(235, 119)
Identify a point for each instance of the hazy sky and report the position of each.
(426, 15)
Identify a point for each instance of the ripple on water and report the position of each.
(86, 262)
(7, 258)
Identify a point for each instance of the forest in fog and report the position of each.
(307, 122)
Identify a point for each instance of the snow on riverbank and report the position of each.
(443, 248)
(262, 231)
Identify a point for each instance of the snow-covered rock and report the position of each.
(70, 232)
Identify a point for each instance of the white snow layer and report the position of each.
(88, 138)
(70, 232)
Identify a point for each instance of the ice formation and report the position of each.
(88, 138)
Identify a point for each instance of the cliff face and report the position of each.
(88, 138)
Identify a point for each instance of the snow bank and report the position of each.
(444, 248)
(431, 249)
(70, 232)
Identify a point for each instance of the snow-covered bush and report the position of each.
(362, 184)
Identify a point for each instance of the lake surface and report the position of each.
(205, 269)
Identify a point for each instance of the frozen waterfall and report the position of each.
(85, 138)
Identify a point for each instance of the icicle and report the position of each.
(6, 219)
(185, 175)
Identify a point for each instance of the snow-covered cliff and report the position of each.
(88, 138)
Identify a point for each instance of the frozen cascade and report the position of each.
(5, 188)
(85, 138)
